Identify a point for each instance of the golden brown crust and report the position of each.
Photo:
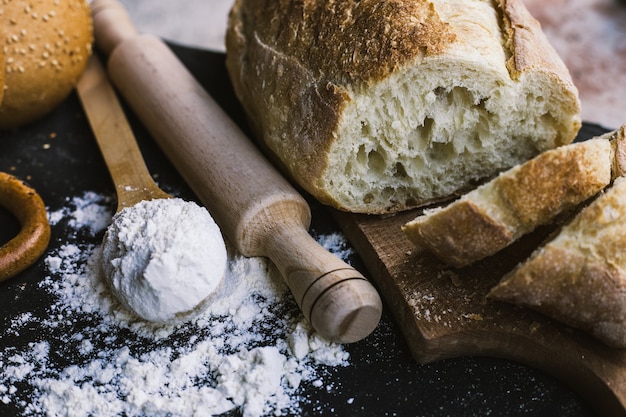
(46, 46)
(580, 276)
(459, 236)
(347, 41)
(32, 240)
(555, 181)
(527, 42)
(566, 286)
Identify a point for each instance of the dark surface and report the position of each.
(59, 158)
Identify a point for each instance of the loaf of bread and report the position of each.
(494, 215)
(45, 46)
(579, 277)
(376, 106)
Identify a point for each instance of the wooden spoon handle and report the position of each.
(258, 210)
(133, 183)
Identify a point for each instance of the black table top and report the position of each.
(382, 378)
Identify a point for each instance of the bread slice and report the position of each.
(495, 214)
(579, 277)
(378, 106)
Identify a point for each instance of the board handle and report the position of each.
(256, 208)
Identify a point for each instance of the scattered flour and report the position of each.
(250, 350)
(164, 258)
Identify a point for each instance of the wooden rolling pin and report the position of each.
(257, 209)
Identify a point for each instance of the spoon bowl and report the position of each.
(153, 267)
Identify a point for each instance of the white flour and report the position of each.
(164, 257)
(250, 350)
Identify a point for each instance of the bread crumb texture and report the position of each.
(45, 47)
(379, 106)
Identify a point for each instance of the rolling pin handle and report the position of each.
(339, 302)
(112, 23)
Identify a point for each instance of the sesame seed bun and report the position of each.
(45, 47)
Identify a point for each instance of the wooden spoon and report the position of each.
(134, 184)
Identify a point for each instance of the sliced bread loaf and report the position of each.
(579, 277)
(494, 215)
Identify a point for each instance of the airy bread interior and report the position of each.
(437, 126)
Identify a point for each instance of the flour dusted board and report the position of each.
(443, 312)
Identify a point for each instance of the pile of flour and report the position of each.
(164, 258)
(250, 350)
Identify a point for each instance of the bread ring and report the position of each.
(32, 240)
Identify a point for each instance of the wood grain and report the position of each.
(444, 313)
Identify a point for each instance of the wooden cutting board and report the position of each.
(443, 312)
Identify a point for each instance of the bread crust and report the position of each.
(516, 202)
(529, 46)
(579, 277)
(618, 137)
(295, 65)
(555, 181)
(461, 236)
(46, 46)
